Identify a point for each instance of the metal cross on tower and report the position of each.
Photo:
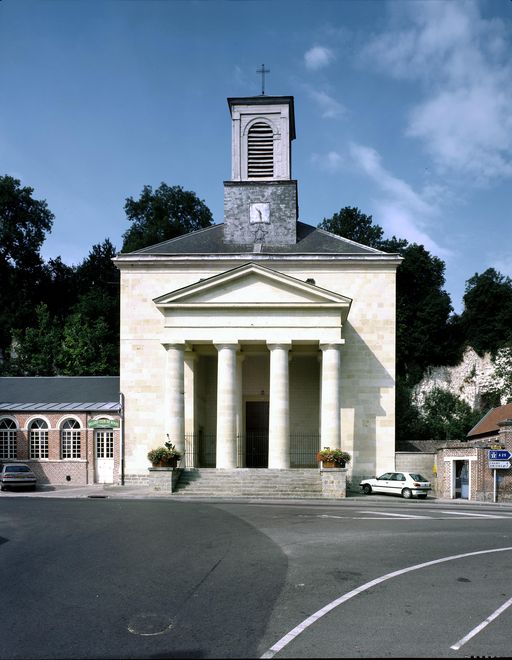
(263, 71)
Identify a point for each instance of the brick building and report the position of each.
(68, 429)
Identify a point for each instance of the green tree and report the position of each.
(486, 320)
(24, 223)
(351, 223)
(34, 349)
(160, 215)
(86, 348)
(424, 312)
(447, 417)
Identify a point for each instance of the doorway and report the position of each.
(461, 480)
(103, 457)
(256, 434)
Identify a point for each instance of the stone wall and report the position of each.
(278, 220)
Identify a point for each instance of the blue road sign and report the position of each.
(499, 455)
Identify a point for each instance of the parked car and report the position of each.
(406, 484)
(14, 475)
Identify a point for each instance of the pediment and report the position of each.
(252, 285)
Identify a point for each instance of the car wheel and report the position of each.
(407, 493)
(2, 487)
(367, 489)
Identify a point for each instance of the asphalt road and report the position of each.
(372, 577)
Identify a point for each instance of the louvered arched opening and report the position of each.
(260, 151)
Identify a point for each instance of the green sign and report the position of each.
(103, 423)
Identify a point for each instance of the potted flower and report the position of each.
(333, 457)
(166, 456)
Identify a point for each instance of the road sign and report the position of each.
(499, 465)
(499, 455)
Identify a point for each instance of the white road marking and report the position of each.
(295, 632)
(480, 627)
(476, 515)
(398, 515)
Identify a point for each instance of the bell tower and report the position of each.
(260, 200)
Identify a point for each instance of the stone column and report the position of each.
(279, 408)
(240, 431)
(330, 426)
(190, 408)
(227, 400)
(175, 396)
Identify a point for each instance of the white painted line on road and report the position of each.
(480, 627)
(398, 515)
(476, 515)
(295, 632)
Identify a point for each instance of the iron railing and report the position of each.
(252, 450)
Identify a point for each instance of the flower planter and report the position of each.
(166, 464)
(332, 464)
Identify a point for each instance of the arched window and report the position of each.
(70, 439)
(260, 151)
(38, 436)
(7, 438)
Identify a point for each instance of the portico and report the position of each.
(242, 346)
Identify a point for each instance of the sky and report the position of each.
(403, 109)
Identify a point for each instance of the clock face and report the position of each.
(259, 212)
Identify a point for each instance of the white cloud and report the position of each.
(318, 57)
(400, 210)
(331, 162)
(461, 60)
(329, 107)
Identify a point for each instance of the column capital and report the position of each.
(226, 344)
(324, 346)
(285, 345)
(173, 344)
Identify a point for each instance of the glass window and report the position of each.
(8, 435)
(17, 468)
(385, 476)
(70, 439)
(104, 444)
(38, 435)
(418, 477)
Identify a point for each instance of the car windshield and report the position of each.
(17, 468)
(418, 477)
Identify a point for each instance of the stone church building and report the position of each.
(256, 342)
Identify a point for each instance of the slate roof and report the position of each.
(310, 240)
(488, 425)
(54, 393)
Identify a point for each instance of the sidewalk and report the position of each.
(114, 492)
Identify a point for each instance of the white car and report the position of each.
(405, 484)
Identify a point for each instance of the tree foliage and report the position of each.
(486, 320)
(447, 417)
(351, 223)
(24, 223)
(160, 215)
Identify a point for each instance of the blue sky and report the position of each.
(403, 108)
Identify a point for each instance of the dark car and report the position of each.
(16, 475)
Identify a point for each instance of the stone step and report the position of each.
(250, 482)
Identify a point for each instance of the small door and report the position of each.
(103, 456)
(462, 480)
(256, 434)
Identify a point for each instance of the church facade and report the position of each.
(256, 342)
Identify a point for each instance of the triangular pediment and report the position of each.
(252, 285)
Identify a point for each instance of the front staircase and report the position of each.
(250, 482)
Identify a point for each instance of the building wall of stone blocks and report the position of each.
(367, 358)
(54, 469)
(281, 196)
